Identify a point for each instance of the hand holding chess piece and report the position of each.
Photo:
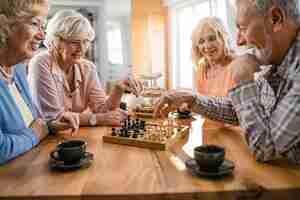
(171, 101)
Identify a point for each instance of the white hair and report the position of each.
(291, 7)
(68, 24)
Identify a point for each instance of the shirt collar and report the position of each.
(288, 62)
(78, 76)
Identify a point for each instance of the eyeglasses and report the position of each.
(85, 44)
(36, 23)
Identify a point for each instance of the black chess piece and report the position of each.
(121, 132)
(126, 134)
(142, 125)
(123, 106)
(113, 132)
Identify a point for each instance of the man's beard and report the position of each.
(263, 55)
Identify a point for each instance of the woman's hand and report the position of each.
(131, 85)
(112, 118)
(172, 100)
(67, 120)
(40, 128)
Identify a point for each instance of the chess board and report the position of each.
(146, 134)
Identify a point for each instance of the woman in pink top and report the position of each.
(64, 83)
(211, 55)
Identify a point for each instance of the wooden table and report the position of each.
(124, 172)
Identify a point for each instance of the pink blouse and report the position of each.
(50, 89)
(218, 82)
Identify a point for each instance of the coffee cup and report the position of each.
(209, 157)
(71, 151)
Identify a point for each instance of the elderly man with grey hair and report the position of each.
(65, 83)
(268, 107)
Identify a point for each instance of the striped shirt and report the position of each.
(268, 109)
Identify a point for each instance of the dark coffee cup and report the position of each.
(209, 157)
(71, 151)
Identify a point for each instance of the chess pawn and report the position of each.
(113, 132)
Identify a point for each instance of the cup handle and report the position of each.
(52, 155)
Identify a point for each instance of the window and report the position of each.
(114, 43)
(184, 16)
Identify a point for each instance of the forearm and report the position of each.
(114, 99)
(215, 108)
(85, 119)
(254, 120)
(14, 144)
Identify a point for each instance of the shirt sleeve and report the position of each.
(14, 144)
(43, 87)
(97, 99)
(215, 108)
(268, 135)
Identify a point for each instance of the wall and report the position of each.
(149, 43)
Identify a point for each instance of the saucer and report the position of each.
(56, 163)
(178, 115)
(226, 168)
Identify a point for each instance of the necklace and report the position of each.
(8, 77)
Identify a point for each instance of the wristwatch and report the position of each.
(93, 119)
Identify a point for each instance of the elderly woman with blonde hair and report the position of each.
(64, 82)
(211, 54)
(21, 126)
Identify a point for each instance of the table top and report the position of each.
(126, 172)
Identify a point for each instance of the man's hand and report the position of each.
(171, 101)
(131, 85)
(244, 67)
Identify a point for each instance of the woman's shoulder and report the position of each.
(43, 57)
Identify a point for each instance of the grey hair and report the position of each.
(291, 7)
(11, 11)
(68, 24)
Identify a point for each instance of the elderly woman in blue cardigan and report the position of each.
(21, 31)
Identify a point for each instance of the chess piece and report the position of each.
(113, 132)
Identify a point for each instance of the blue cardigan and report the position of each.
(15, 137)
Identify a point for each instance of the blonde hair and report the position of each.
(217, 26)
(68, 24)
(11, 11)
